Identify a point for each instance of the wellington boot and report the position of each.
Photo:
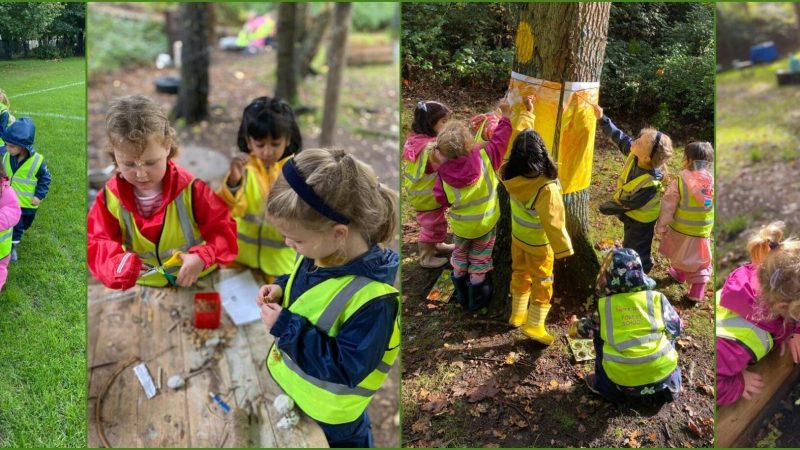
(479, 295)
(534, 328)
(676, 275)
(443, 248)
(428, 258)
(697, 292)
(462, 289)
(519, 310)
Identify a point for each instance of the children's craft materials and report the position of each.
(443, 288)
(206, 310)
(284, 405)
(145, 380)
(219, 401)
(168, 269)
(582, 349)
(239, 298)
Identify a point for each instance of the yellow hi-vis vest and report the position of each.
(475, 209)
(24, 179)
(648, 212)
(691, 217)
(525, 223)
(419, 185)
(636, 350)
(261, 246)
(178, 232)
(11, 119)
(734, 327)
(327, 306)
(5, 242)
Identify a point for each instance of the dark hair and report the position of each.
(426, 114)
(699, 151)
(529, 156)
(269, 117)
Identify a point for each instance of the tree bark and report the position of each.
(336, 63)
(286, 86)
(568, 44)
(192, 103)
(313, 40)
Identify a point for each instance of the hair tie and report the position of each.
(773, 245)
(773, 280)
(655, 143)
(421, 105)
(299, 185)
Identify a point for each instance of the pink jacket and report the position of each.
(740, 295)
(9, 207)
(414, 145)
(466, 170)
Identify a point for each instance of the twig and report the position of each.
(666, 428)
(97, 366)
(99, 404)
(524, 416)
(159, 353)
(174, 324)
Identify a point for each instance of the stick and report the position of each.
(514, 407)
(99, 406)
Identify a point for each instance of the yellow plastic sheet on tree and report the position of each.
(578, 123)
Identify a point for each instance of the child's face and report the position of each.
(441, 123)
(15, 150)
(145, 171)
(269, 149)
(314, 244)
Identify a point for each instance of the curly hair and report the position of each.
(132, 121)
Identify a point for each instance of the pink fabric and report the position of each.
(688, 254)
(9, 216)
(433, 226)
(466, 170)
(148, 205)
(414, 145)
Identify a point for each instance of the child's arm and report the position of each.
(586, 327)
(496, 148)
(672, 321)
(619, 137)
(3, 121)
(439, 194)
(9, 209)
(231, 191)
(636, 201)
(669, 203)
(42, 183)
(107, 260)
(216, 227)
(732, 361)
(550, 206)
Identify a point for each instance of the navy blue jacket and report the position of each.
(4, 118)
(22, 133)
(362, 340)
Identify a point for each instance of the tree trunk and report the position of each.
(336, 63)
(192, 103)
(286, 86)
(567, 43)
(313, 40)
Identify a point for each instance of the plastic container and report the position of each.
(764, 52)
(794, 64)
(207, 310)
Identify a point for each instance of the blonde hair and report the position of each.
(345, 184)
(454, 140)
(4, 99)
(778, 263)
(131, 121)
(664, 150)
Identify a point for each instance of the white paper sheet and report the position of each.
(238, 295)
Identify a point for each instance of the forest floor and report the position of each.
(758, 181)
(473, 381)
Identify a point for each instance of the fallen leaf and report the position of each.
(652, 436)
(511, 358)
(554, 383)
(498, 434)
(424, 393)
(420, 425)
(481, 392)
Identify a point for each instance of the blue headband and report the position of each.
(655, 143)
(299, 185)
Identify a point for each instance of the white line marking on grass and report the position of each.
(58, 116)
(48, 89)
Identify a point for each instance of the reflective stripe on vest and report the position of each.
(178, 232)
(327, 306)
(475, 209)
(649, 211)
(636, 350)
(24, 179)
(261, 246)
(5, 242)
(730, 325)
(525, 222)
(691, 217)
(419, 185)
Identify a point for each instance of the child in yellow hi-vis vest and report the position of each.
(335, 316)
(538, 227)
(637, 199)
(268, 137)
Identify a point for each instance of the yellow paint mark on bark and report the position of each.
(524, 42)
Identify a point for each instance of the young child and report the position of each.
(153, 208)
(335, 317)
(467, 184)
(634, 329)
(638, 197)
(28, 172)
(268, 137)
(419, 177)
(686, 220)
(6, 118)
(758, 308)
(538, 228)
(9, 216)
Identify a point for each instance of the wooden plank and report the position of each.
(737, 422)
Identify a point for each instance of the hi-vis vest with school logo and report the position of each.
(636, 350)
(734, 327)
(260, 245)
(525, 223)
(327, 306)
(691, 217)
(475, 209)
(419, 185)
(24, 179)
(648, 212)
(178, 232)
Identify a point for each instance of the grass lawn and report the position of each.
(43, 304)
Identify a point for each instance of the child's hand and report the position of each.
(529, 102)
(794, 347)
(752, 384)
(35, 201)
(237, 168)
(505, 108)
(270, 313)
(191, 268)
(598, 111)
(269, 293)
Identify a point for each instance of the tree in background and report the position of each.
(192, 104)
(25, 21)
(336, 63)
(286, 85)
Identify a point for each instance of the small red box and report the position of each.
(207, 308)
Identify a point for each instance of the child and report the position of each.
(9, 216)
(335, 317)
(153, 205)
(467, 184)
(537, 227)
(268, 136)
(638, 197)
(634, 329)
(420, 175)
(6, 118)
(757, 309)
(28, 173)
(686, 220)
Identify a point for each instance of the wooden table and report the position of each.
(150, 325)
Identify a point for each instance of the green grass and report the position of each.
(119, 42)
(43, 304)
